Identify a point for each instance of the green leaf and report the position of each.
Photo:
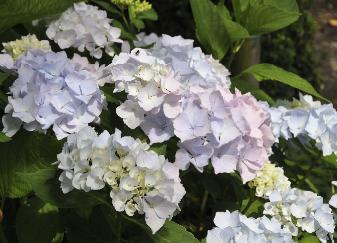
(159, 148)
(124, 33)
(110, 95)
(239, 7)
(37, 177)
(148, 14)
(37, 222)
(214, 27)
(13, 12)
(307, 238)
(4, 138)
(264, 16)
(58, 238)
(138, 23)
(138, 19)
(331, 160)
(172, 232)
(25, 153)
(94, 229)
(255, 208)
(50, 192)
(311, 185)
(107, 120)
(3, 100)
(3, 77)
(107, 6)
(262, 72)
(244, 86)
(235, 31)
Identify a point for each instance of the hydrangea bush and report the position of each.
(114, 135)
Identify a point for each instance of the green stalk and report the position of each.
(250, 202)
(203, 202)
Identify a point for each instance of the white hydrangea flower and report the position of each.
(52, 91)
(190, 62)
(18, 47)
(310, 118)
(14, 49)
(175, 90)
(168, 57)
(301, 209)
(85, 27)
(268, 179)
(144, 40)
(237, 228)
(140, 180)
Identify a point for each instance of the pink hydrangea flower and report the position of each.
(176, 90)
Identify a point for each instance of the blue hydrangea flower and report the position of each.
(52, 91)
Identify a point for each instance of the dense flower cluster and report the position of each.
(14, 49)
(175, 89)
(268, 179)
(85, 27)
(310, 118)
(135, 6)
(140, 180)
(237, 228)
(52, 91)
(18, 47)
(295, 209)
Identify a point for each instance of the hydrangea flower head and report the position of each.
(268, 179)
(14, 49)
(235, 227)
(140, 180)
(18, 47)
(52, 91)
(85, 27)
(295, 209)
(176, 90)
(309, 118)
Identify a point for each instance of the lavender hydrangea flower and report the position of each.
(85, 27)
(235, 227)
(175, 90)
(52, 91)
(140, 180)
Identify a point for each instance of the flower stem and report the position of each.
(250, 202)
(125, 20)
(204, 202)
(234, 51)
